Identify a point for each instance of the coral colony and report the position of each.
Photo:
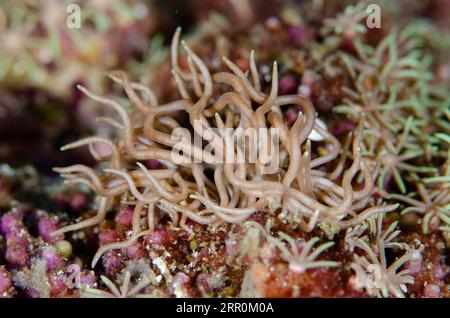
(307, 156)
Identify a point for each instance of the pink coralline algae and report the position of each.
(161, 236)
(87, 278)
(52, 258)
(113, 261)
(136, 251)
(124, 216)
(58, 286)
(17, 254)
(109, 236)
(36, 261)
(47, 226)
(6, 288)
(17, 238)
(9, 221)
